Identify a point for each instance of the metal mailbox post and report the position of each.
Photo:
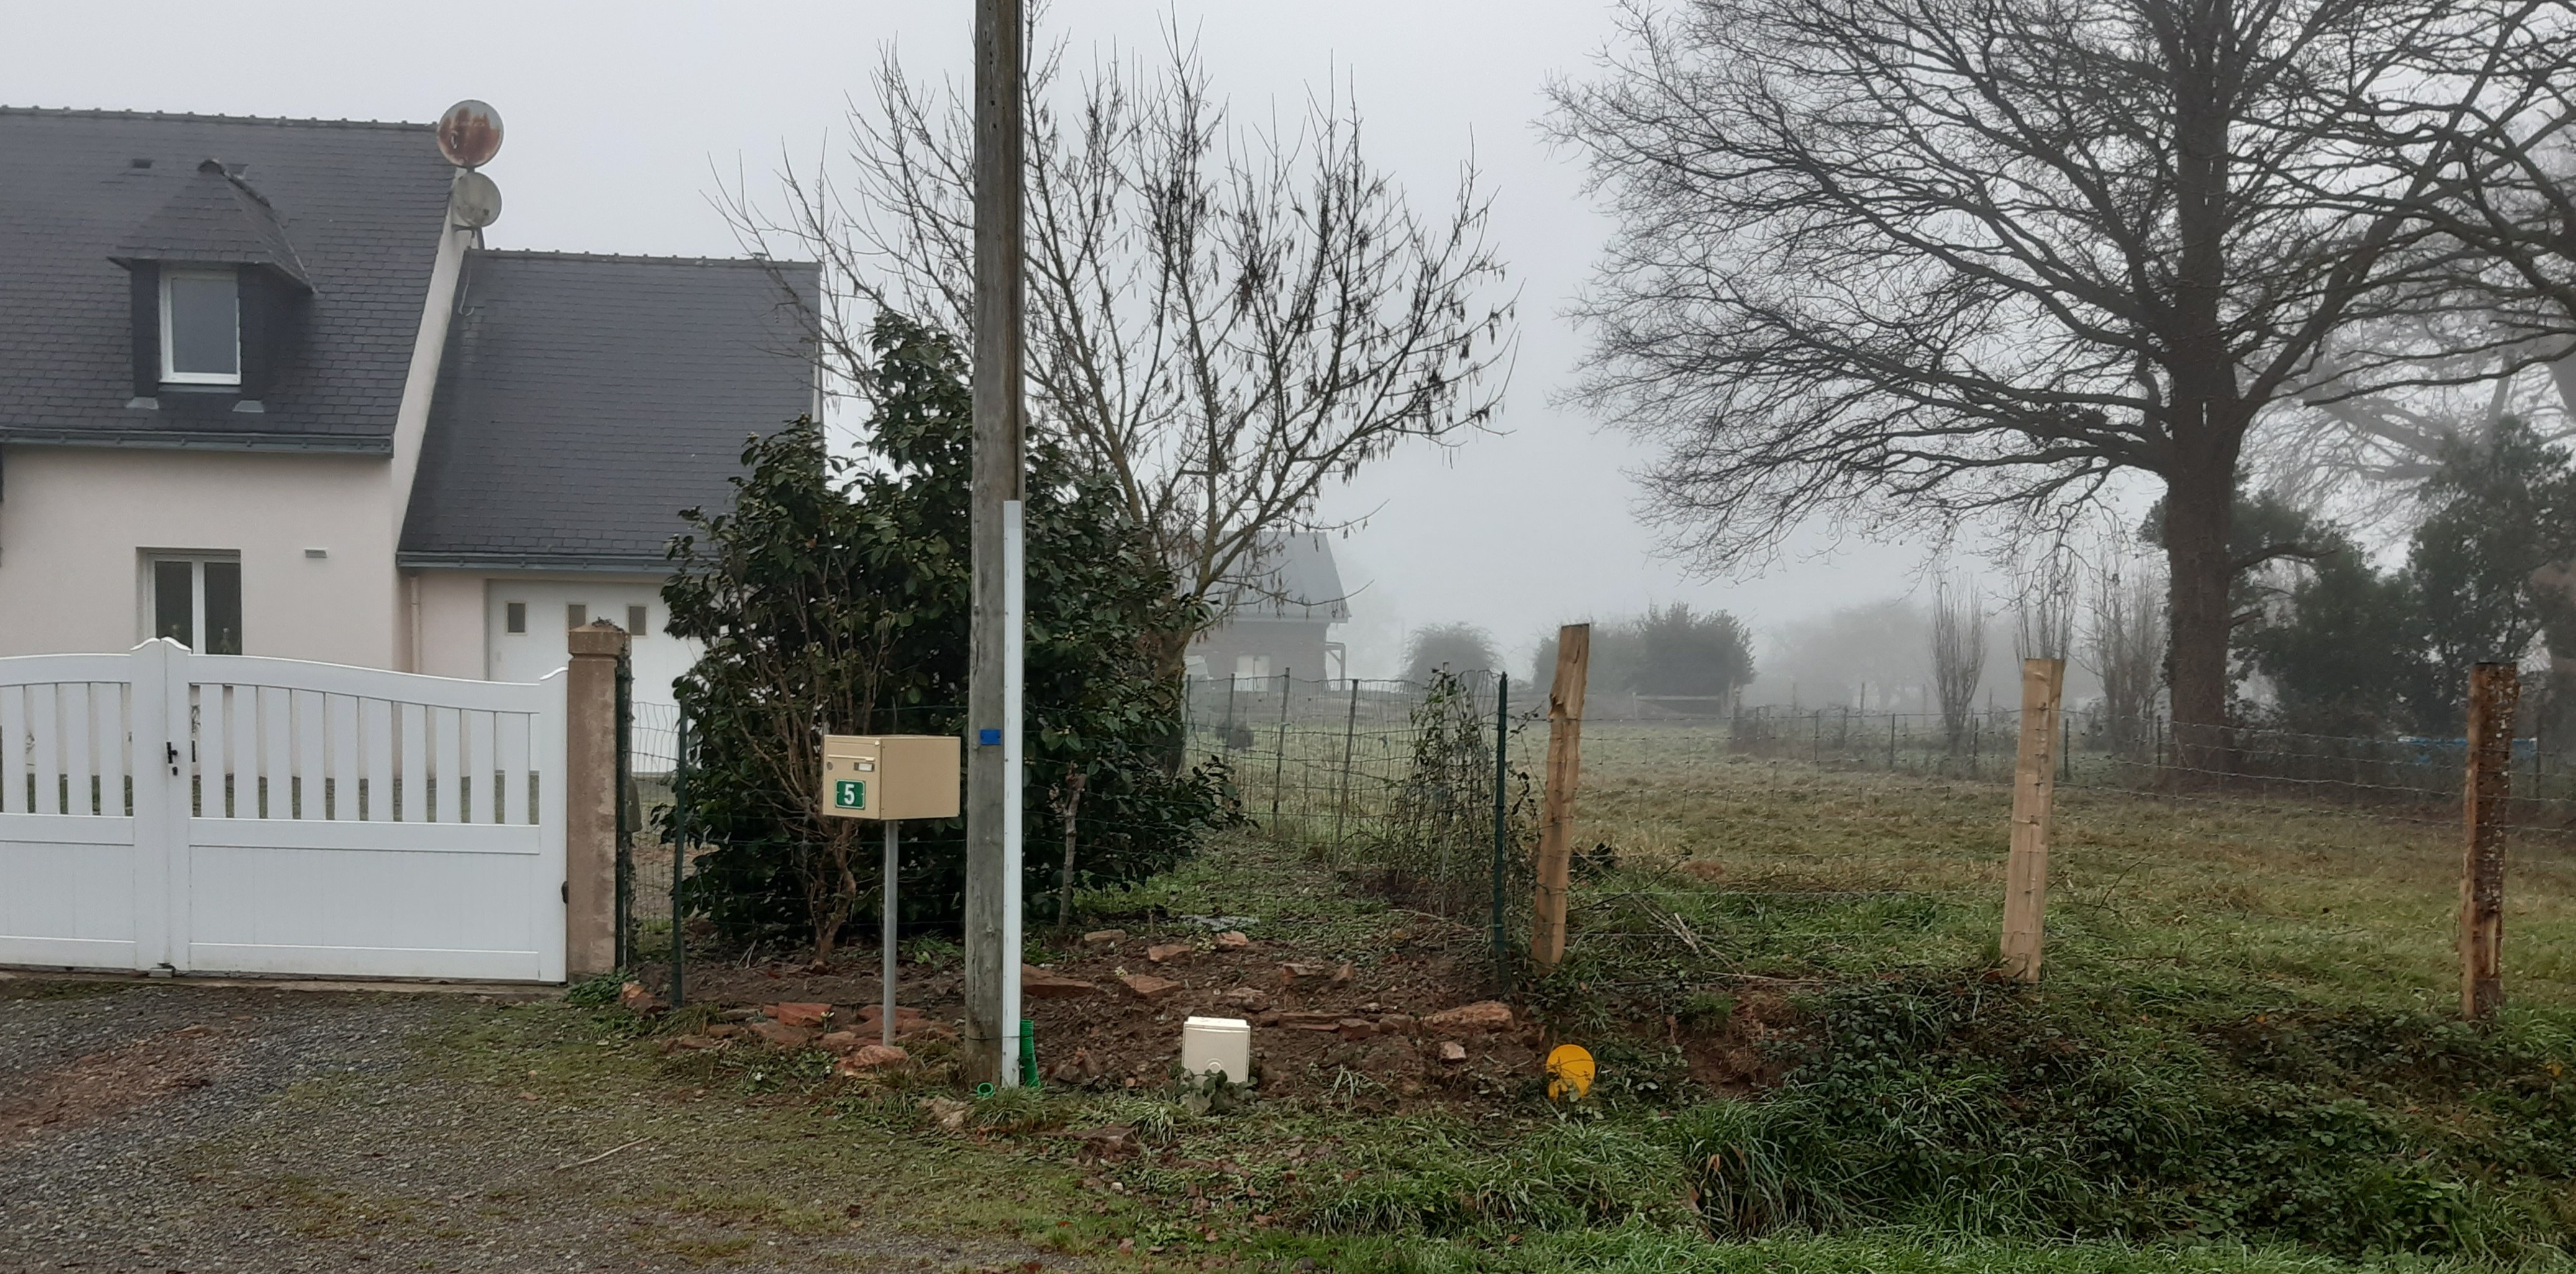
(889, 778)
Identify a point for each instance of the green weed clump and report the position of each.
(1957, 1107)
(1567, 1175)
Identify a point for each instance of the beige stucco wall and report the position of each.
(463, 633)
(75, 521)
(450, 623)
(75, 524)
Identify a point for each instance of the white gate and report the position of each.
(232, 814)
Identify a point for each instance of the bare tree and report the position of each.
(1227, 317)
(2490, 104)
(2124, 645)
(2361, 460)
(1958, 657)
(2488, 99)
(1910, 260)
(2047, 607)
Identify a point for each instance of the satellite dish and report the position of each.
(474, 201)
(469, 134)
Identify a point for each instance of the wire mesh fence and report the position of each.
(1420, 793)
(1694, 816)
(653, 920)
(2389, 774)
(1699, 827)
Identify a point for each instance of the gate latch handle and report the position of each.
(174, 756)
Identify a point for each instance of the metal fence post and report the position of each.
(1502, 814)
(1342, 803)
(679, 829)
(887, 924)
(1279, 765)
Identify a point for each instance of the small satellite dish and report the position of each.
(469, 134)
(474, 201)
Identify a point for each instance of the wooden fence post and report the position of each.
(2034, 791)
(2494, 692)
(1564, 771)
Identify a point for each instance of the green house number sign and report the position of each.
(850, 794)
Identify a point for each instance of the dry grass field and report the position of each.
(1855, 871)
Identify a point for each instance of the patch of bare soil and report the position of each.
(1382, 1034)
(1739, 1055)
(108, 1082)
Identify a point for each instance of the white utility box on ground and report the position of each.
(1222, 1044)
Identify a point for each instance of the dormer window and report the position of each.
(217, 295)
(200, 327)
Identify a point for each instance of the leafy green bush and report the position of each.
(833, 597)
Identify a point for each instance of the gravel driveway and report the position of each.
(161, 1127)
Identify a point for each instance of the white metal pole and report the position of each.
(1014, 652)
(887, 942)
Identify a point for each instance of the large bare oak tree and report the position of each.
(2488, 104)
(1892, 259)
(1227, 316)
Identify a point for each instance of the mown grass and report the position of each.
(714, 1166)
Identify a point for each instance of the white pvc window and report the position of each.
(197, 602)
(200, 327)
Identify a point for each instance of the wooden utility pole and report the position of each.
(2034, 795)
(992, 955)
(2495, 690)
(1564, 771)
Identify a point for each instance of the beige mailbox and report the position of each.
(890, 776)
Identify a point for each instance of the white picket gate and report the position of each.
(233, 814)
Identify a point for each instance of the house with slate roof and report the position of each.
(261, 392)
(1278, 623)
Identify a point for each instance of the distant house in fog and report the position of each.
(1281, 624)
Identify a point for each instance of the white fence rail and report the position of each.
(221, 813)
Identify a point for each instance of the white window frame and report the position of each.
(152, 560)
(171, 375)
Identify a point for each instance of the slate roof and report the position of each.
(217, 218)
(356, 205)
(1296, 580)
(583, 401)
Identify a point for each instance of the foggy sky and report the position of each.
(621, 117)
